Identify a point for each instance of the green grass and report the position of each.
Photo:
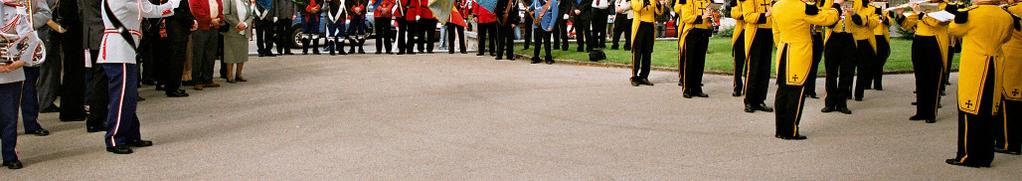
(718, 56)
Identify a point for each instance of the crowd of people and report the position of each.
(94, 54)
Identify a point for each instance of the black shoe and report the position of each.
(736, 94)
(915, 103)
(686, 95)
(1002, 150)
(120, 149)
(917, 118)
(270, 55)
(878, 87)
(178, 93)
(959, 163)
(39, 132)
(813, 95)
(140, 143)
(749, 108)
(549, 61)
(479, 54)
(931, 121)
(93, 129)
(536, 60)
(796, 137)
(828, 109)
(844, 110)
(50, 109)
(859, 99)
(763, 107)
(700, 94)
(499, 58)
(635, 83)
(13, 165)
(645, 82)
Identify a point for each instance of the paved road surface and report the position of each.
(460, 117)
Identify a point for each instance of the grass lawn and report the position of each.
(718, 58)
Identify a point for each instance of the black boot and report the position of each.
(305, 45)
(330, 46)
(362, 43)
(315, 46)
(339, 45)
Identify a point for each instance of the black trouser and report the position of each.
(622, 25)
(98, 97)
(72, 88)
(526, 32)
(147, 53)
(174, 66)
(560, 32)
(1008, 126)
(582, 34)
(694, 60)
(598, 33)
(487, 31)
(642, 51)
(459, 32)
(542, 38)
(404, 43)
(205, 45)
(839, 52)
(264, 30)
(505, 41)
(883, 52)
(283, 36)
(427, 26)
(759, 66)
(817, 57)
(927, 65)
(738, 52)
(789, 101)
(383, 37)
(864, 58)
(975, 131)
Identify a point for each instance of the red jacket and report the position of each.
(483, 15)
(384, 9)
(424, 11)
(200, 9)
(412, 9)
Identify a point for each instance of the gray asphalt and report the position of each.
(460, 117)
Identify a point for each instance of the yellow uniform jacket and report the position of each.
(1011, 65)
(927, 26)
(870, 21)
(736, 13)
(690, 15)
(644, 13)
(754, 15)
(987, 29)
(791, 25)
(885, 24)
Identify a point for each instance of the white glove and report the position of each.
(565, 16)
(274, 19)
(417, 17)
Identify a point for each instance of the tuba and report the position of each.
(24, 42)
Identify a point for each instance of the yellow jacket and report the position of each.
(1011, 63)
(791, 25)
(869, 21)
(987, 29)
(927, 26)
(690, 15)
(754, 15)
(644, 13)
(736, 13)
(885, 25)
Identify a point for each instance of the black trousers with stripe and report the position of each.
(789, 102)
(759, 66)
(927, 65)
(738, 52)
(840, 55)
(121, 120)
(975, 131)
(642, 51)
(1009, 126)
(694, 60)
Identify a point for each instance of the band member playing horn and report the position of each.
(695, 22)
(791, 25)
(1009, 132)
(21, 47)
(759, 42)
(643, 37)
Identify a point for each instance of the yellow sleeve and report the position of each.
(959, 30)
(678, 7)
(827, 16)
(749, 13)
(636, 6)
(689, 13)
(736, 12)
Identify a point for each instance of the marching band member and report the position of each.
(427, 27)
(759, 42)
(818, 32)
(117, 57)
(18, 29)
(456, 27)
(486, 29)
(310, 26)
(864, 21)
(356, 26)
(882, 35)
(692, 44)
(984, 28)
(791, 24)
(839, 50)
(930, 36)
(738, 49)
(643, 28)
(1007, 136)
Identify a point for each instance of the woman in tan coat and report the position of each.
(238, 14)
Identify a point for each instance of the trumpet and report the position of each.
(923, 4)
